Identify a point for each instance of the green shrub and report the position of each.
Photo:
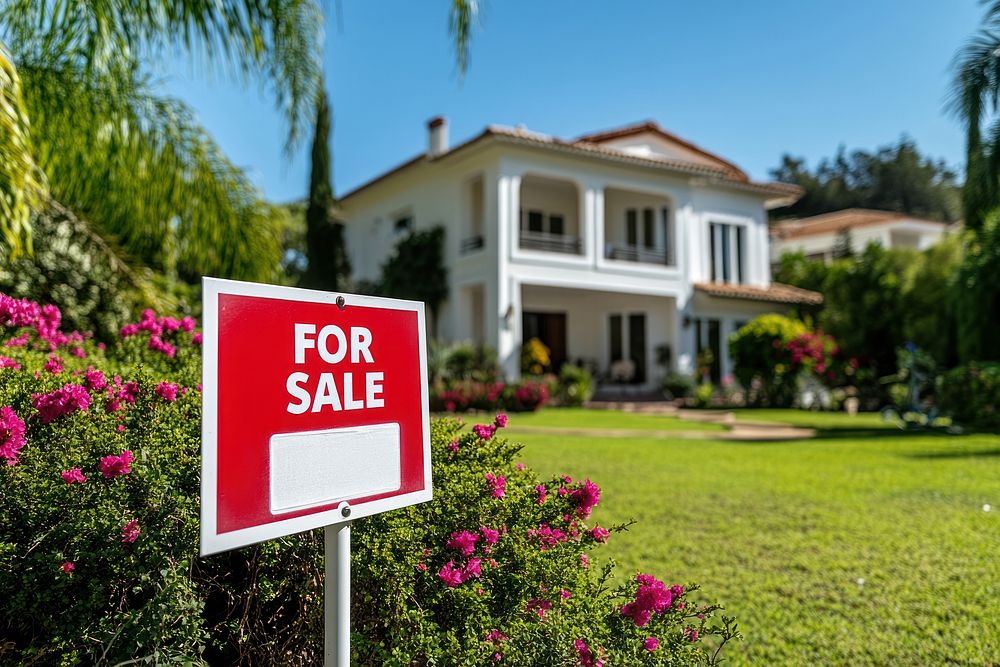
(971, 394)
(703, 394)
(677, 385)
(576, 385)
(535, 359)
(762, 359)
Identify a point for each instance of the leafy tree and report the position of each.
(977, 294)
(416, 270)
(328, 266)
(893, 178)
(843, 246)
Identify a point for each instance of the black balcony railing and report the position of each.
(472, 244)
(631, 253)
(569, 245)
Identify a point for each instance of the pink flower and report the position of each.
(547, 536)
(652, 597)
(61, 402)
(498, 484)
(167, 391)
(472, 569)
(95, 379)
(7, 362)
(68, 567)
(489, 535)
(130, 532)
(11, 435)
(500, 421)
(129, 330)
(187, 323)
(159, 345)
(73, 476)
(120, 428)
(586, 498)
(453, 446)
(519, 465)
(463, 542)
(691, 634)
(484, 431)
(422, 567)
(495, 636)
(451, 575)
(584, 560)
(196, 338)
(565, 594)
(115, 466)
(538, 606)
(651, 644)
(600, 534)
(542, 493)
(585, 655)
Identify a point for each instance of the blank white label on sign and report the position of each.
(323, 467)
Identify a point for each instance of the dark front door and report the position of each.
(550, 328)
(637, 345)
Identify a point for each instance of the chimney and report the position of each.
(437, 136)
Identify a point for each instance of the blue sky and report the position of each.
(749, 80)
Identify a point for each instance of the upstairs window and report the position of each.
(726, 247)
(402, 225)
(541, 222)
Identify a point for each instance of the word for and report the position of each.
(343, 391)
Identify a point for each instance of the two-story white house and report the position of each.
(631, 244)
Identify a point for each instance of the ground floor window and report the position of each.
(708, 343)
(550, 328)
(627, 343)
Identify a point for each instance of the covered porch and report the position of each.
(628, 340)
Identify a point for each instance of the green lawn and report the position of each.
(782, 533)
(606, 419)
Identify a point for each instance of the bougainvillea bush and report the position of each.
(99, 537)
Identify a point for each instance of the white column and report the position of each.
(597, 224)
(508, 302)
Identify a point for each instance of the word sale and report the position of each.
(343, 391)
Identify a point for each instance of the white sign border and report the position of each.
(211, 540)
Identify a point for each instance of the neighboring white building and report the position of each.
(817, 236)
(606, 247)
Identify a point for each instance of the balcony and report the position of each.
(546, 242)
(639, 254)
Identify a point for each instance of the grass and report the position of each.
(607, 419)
(783, 534)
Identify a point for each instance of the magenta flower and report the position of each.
(451, 575)
(651, 644)
(586, 498)
(115, 466)
(11, 435)
(519, 465)
(167, 391)
(652, 597)
(547, 536)
(498, 484)
(69, 567)
(600, 534)
(157, 344)
(453, 446)
(538, 606)
(691, 634)
(73, 476)
(196, 338)
(565, 594)
(500, 421)
(187, 323)
(489, 535)
(463, 542)
(584, 560)
(7, 362)
(586, 656)
(542, 493)
(130, 532)
(61, 402)
(95, 379)
(495, 636)
(484, 431)
(472, 569)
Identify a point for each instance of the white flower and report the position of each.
(986, 507)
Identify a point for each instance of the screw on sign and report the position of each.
(315, 414)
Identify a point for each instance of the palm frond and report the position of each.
(21, 182)
(463, 19)
(147, 174)
(276, 41)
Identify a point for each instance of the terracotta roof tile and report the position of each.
(836, 221)
(774, 293)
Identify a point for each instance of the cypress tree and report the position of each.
(329, 267)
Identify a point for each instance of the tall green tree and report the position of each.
(895, 177)
(328, 265)
(416, 270)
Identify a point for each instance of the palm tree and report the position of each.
(975, 98)
(81, 120)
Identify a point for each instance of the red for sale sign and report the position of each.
(315, 410)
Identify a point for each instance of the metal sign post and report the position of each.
(337, 596)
